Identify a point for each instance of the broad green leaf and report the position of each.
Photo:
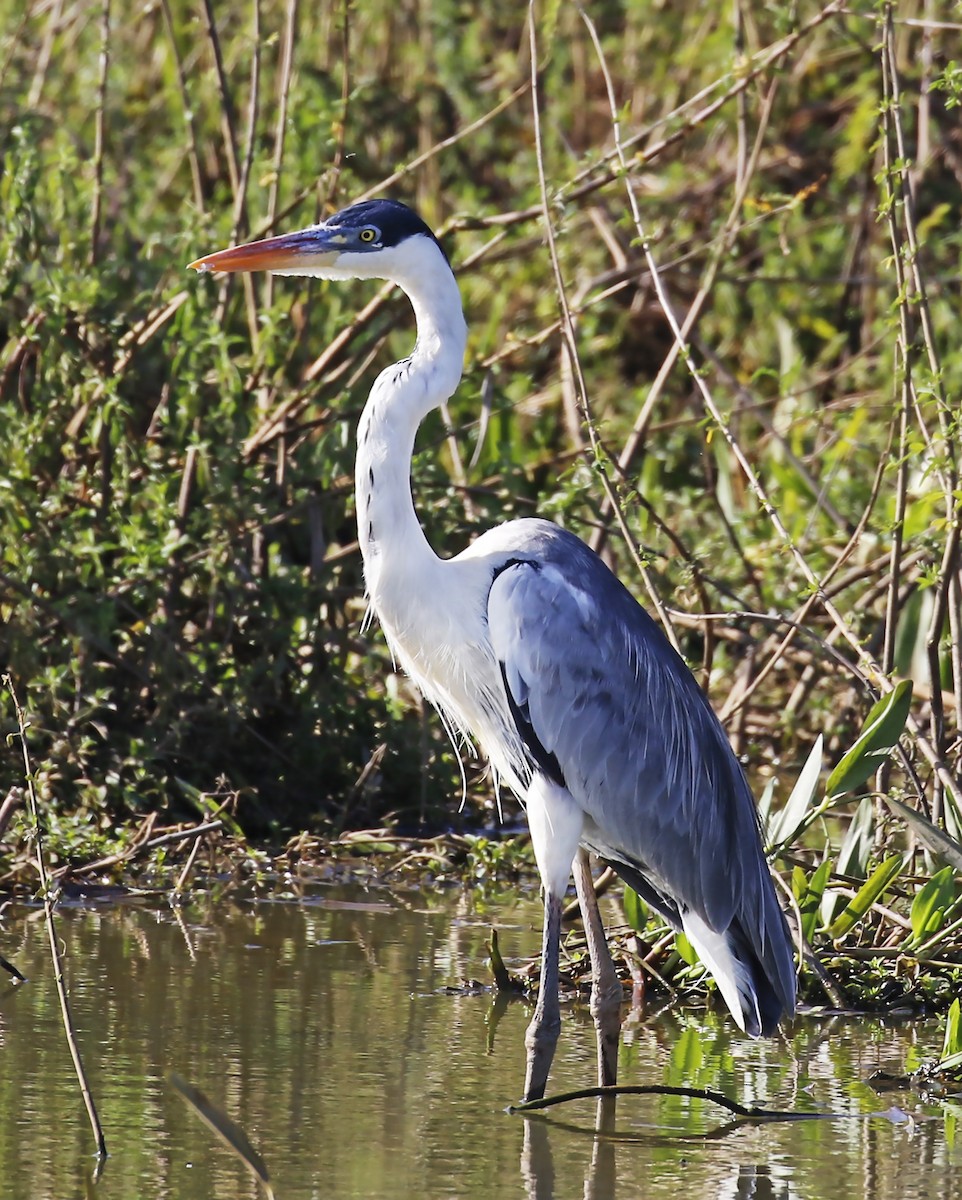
(787, 823)
(881, 732)
(930, 903)
(933, 838)
(810, 894)
(952, 1042)
(686, 950)
(866, 896)
(636, 911)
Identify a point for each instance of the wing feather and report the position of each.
(606, 699)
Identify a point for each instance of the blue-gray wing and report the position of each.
(606, 707)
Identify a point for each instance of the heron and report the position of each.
(531, 648)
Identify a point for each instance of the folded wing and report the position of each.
(608, 709)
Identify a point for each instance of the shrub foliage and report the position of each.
(180, 592)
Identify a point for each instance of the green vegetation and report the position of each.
(180, 593)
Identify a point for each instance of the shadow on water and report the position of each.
(335, 1032)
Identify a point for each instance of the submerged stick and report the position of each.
(52, 931)
(8, 966)
(750, 1112)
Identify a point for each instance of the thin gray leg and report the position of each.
(537, 1164)
(606, 993)
(600, 1184)
(542, 1035)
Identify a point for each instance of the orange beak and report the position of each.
(302, 251)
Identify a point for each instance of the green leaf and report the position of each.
(787, 823)
(930, 903)
(686, 951)
(809, 895)
(636, 910)
(866, 896)
(952, 1042)
(880, 733)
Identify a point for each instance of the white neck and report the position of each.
(393, 545)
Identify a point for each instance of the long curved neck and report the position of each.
(392, 542)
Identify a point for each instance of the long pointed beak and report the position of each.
(301, 251)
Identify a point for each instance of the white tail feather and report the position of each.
(733, 977)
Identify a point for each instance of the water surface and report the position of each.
(338, 1033)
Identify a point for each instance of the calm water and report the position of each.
(328, 1031)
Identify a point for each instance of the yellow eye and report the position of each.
(368, 234)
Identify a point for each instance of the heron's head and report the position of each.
(376, 239)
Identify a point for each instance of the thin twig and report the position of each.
(870, 667)
(228, 124)
(598, 456)
(43, 58)
(337, 158)
(52, 935)
(193, 158)
(413, 164)
(189, 864)
(139, 847)
(913, 311)
(735, 703)
(280, 126)
(97, 202)
(239, 222)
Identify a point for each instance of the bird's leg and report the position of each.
(606, 993)
(600, 1184)
(537, 1164)
(542, 1035)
